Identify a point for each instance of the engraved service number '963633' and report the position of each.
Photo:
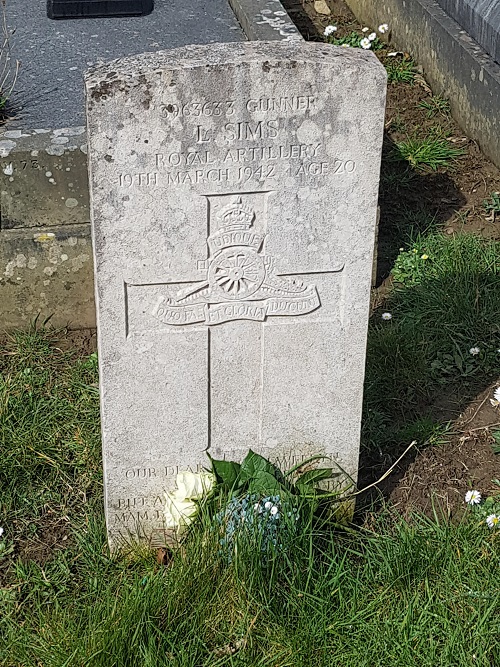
(197, 109)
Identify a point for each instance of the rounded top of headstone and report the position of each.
(270, 54)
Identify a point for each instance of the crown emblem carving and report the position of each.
(236, 223)
(236, 215)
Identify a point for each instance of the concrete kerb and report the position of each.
(265, 20)
(45, 243)
(454, 64)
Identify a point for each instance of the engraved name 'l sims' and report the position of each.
(241, 131)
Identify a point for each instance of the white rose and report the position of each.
(179, 513)
(194, 485)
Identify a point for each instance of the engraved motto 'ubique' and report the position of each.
(241, 282)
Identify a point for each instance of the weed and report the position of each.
(492, 205)
(396, 178)
(462, 217)
(430, 153)
(353, 39)
(416, 221)
(496, 442)
(435, 105)
(397, 124)
(400, 69)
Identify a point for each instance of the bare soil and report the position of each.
(440, 476)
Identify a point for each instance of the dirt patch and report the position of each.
(84, 341)
(442, 474)
(52, 534)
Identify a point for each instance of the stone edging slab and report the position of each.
(264, 20)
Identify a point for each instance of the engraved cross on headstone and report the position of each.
(238, 282)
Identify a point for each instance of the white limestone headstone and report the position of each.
(234, 198)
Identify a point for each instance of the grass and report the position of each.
(400, 69)
(398, 594)
(423, 592)
(442, 306)
(435, 106)
(49, 435)
(429, 153)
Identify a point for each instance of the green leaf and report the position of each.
(496, 446)
(226, 472)
(254, 464)
(265, 484)
(317, 457)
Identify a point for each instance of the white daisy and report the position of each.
(274, 510)
(372, 36)
(268, 505)
(474, 351)
(329, 30)
(493, 520)
(496, 395)
(365, 43)
(383, 28)
(386, 316)
(1, 531)
(473, 497)
(365, 29)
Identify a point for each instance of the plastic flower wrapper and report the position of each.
(263, 507)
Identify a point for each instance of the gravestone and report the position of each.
(481, 19)
(233, 196)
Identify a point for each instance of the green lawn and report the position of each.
(386, 593)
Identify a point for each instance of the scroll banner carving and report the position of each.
(168, 313)
(241, 282)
